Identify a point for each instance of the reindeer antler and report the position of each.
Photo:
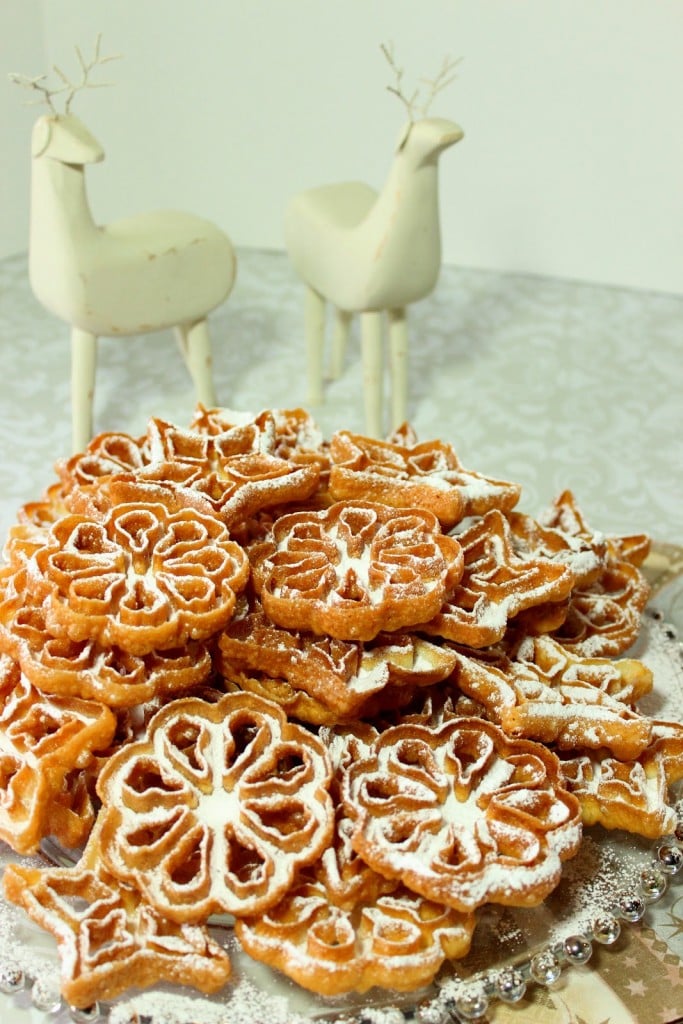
(67, 85)
(86, 68)
(434, 85)
(397, 89)
(36, 83)
(443, 79)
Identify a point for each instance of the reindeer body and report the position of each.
(136, 275)
(371, 253)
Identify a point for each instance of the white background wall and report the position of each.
(572, 164)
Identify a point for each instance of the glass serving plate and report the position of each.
(609, 883)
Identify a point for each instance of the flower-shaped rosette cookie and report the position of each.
(354, 570)
(462, 814)
(231, 474)
(44, 742)
(425, 475)
(398, 941)
(217, 809)
(83, 668)
(497, 584)
(144, 578)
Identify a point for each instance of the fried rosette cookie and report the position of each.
(293, 434)
(399, 941)
(352, 571)
(84, 668)
(44, 743)
(462, 814)
(109, 939)
(604, 619)
(232, 474)
(584, 554)
(342, 675)
(428, 475)
(545, 694)
(107, 455)
(631, 795)
(497, 583)
(565, 514)
(142, 578)
(604, 614)
(217, 809)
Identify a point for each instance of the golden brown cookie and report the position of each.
(352, 571)
(462, 814)
(216, 810)
(109, 939)
(142, 579)
(545, 694)
(631, 795)
(44, 743)
(497, 584)
(428, 475)
(342, 675)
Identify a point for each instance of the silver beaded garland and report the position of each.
(472, 1003)
(653, 883)
(432, 1011)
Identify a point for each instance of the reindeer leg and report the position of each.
(398, 341)
(83, 365)
(371, 345)
(340, 340)
(196, 342)
(314, 320)
(181, 338)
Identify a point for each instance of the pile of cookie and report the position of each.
(341, 691)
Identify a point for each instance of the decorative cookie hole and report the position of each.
(245, 865)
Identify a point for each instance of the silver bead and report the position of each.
(606, 929)
(577, 949)
(653, 883)
(678, 833)
(45, 995)
(11, 977)
(670, 858)
(510, 985)
(471, 1003)
(431, 1011)
(85, 1014)
(632, 907)
(545, 968)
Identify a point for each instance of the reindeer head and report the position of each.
(434, 134)
(64, 138)
(60, 135)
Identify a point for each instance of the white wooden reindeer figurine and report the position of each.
(133, 276)
(373, 254)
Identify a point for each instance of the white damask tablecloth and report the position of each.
(551, 383)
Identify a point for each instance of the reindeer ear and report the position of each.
(42, 133)
(403, 136)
